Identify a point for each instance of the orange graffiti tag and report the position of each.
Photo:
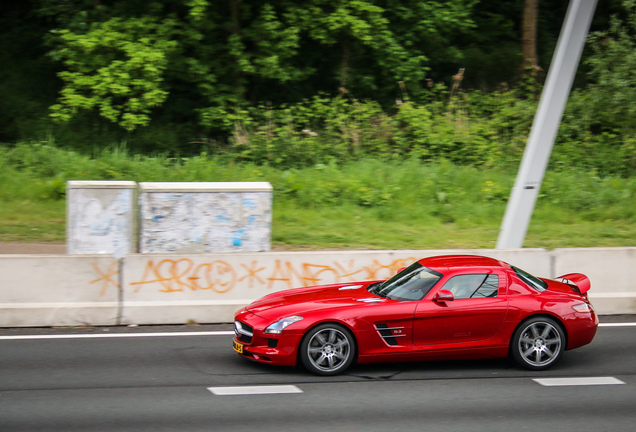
(168, 274)
(311, 274)
(179, 275)
(217, 284)
(106, 277)
(376, 267)
(251, 274)
(348, 273)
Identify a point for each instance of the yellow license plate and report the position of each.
(238, 347)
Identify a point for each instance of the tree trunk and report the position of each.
(530, 63)
(344, 66)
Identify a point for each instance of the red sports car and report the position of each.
(445, 307)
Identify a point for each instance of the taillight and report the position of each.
(582, 307)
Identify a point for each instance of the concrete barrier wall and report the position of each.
(59, 290)
(69, 290)
(165, 289)
(612, 272)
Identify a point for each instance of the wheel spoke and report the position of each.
(332, 336)
(321, 340)
(321, 359)
(341, 344)
(526, 340)
(533, 329)
(331, 361)
(546, 331)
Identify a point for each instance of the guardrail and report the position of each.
(74, 290)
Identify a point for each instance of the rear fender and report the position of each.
(581, 281)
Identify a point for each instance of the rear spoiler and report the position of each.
(580, 281)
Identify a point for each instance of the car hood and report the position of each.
(301, 300)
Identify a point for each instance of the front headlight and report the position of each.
(280, 325)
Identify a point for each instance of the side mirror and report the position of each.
(443, 296)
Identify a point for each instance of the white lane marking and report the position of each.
(633, 324)
(588, 381)
(176, 334)
(254, 390)
(117, 335)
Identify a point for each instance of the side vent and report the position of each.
(388, 333)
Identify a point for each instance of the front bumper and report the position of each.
(278, 349)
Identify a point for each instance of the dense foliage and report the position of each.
(362, 204)
(297, 83)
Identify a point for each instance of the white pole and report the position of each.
(546, 124)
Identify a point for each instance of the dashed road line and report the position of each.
(292, 389)
(632, 324)
(254, 390)
(584, 381)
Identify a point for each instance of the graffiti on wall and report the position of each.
(198, 222)
(185, 274)
(107, 277)
(100, 221)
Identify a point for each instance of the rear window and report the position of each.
(532, 281)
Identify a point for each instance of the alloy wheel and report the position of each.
(538, 344)
(328, 350)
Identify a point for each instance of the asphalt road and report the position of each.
(176, 383)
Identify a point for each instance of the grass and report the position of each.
(32, 221)
(369, 204)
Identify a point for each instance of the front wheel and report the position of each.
(538, 343)
(327, 349)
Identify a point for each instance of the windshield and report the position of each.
(411, 284)
(533, 281)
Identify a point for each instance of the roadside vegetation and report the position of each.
(379, 124)
(363, 204)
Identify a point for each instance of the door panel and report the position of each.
(462, 319)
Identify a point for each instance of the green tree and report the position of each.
(117, 67)
(125, 59)
(599, 126)
(613, 72)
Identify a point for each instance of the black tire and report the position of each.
(327, 349)
(538, 343)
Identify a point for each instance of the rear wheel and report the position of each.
(327, 349)
(538, 343)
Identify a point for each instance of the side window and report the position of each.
(473, 286)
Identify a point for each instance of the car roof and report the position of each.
(456, 261)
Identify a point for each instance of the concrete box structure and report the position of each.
(205, 217)
(101, 217)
